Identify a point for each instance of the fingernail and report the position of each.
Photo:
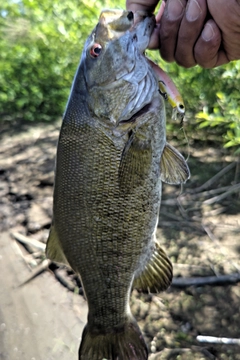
(208, 32)
(193, 11)
(175, 9)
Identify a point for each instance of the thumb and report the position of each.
(135, 5)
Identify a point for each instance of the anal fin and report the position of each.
(173, 167)
(157, 274)
(54, 250)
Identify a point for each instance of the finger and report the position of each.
(160, 11)
(154, 40)
(226, 14)
(206, 50)
(189, 31)
(169, 26)
(141, 5)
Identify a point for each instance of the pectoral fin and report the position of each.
(174, 168)
(54, 250)
(157, 274)
(134, 165)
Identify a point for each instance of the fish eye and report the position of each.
(95, 50)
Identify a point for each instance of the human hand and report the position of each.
(204, 32)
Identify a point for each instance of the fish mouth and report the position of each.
(117, 21)
(114, 23)
(140, 104)
(143, 25)
(140, 15)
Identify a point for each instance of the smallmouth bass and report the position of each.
(111, 160)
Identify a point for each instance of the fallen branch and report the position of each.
(215, 212)
(208, 280)
(64, 280)
(206, 193)
(187, 270)
(218, 340)
(18, 250)
(173, 353)
(37, 271)
(29, 241)
(189, 198)
(172, 224)
(232, 189)
(215, 178)
(172, 216)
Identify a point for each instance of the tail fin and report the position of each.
(125, 343)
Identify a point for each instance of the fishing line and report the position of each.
(186, 138)
(181, 208)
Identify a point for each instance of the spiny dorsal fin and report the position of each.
(174, 168)
(157, 274)
(54, 249)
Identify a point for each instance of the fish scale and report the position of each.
(107, 189)
(118, 228)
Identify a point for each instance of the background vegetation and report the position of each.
(40, 48)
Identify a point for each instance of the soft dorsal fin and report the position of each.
(54, 250)
(157, 274)
(174, 168)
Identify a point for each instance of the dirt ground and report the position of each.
(199, 226)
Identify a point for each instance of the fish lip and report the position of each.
(115, 22)
(140, 16)
(143, 26)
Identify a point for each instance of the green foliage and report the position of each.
(40, 49)
(39, 53)
(225, 110)
(212, 100)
